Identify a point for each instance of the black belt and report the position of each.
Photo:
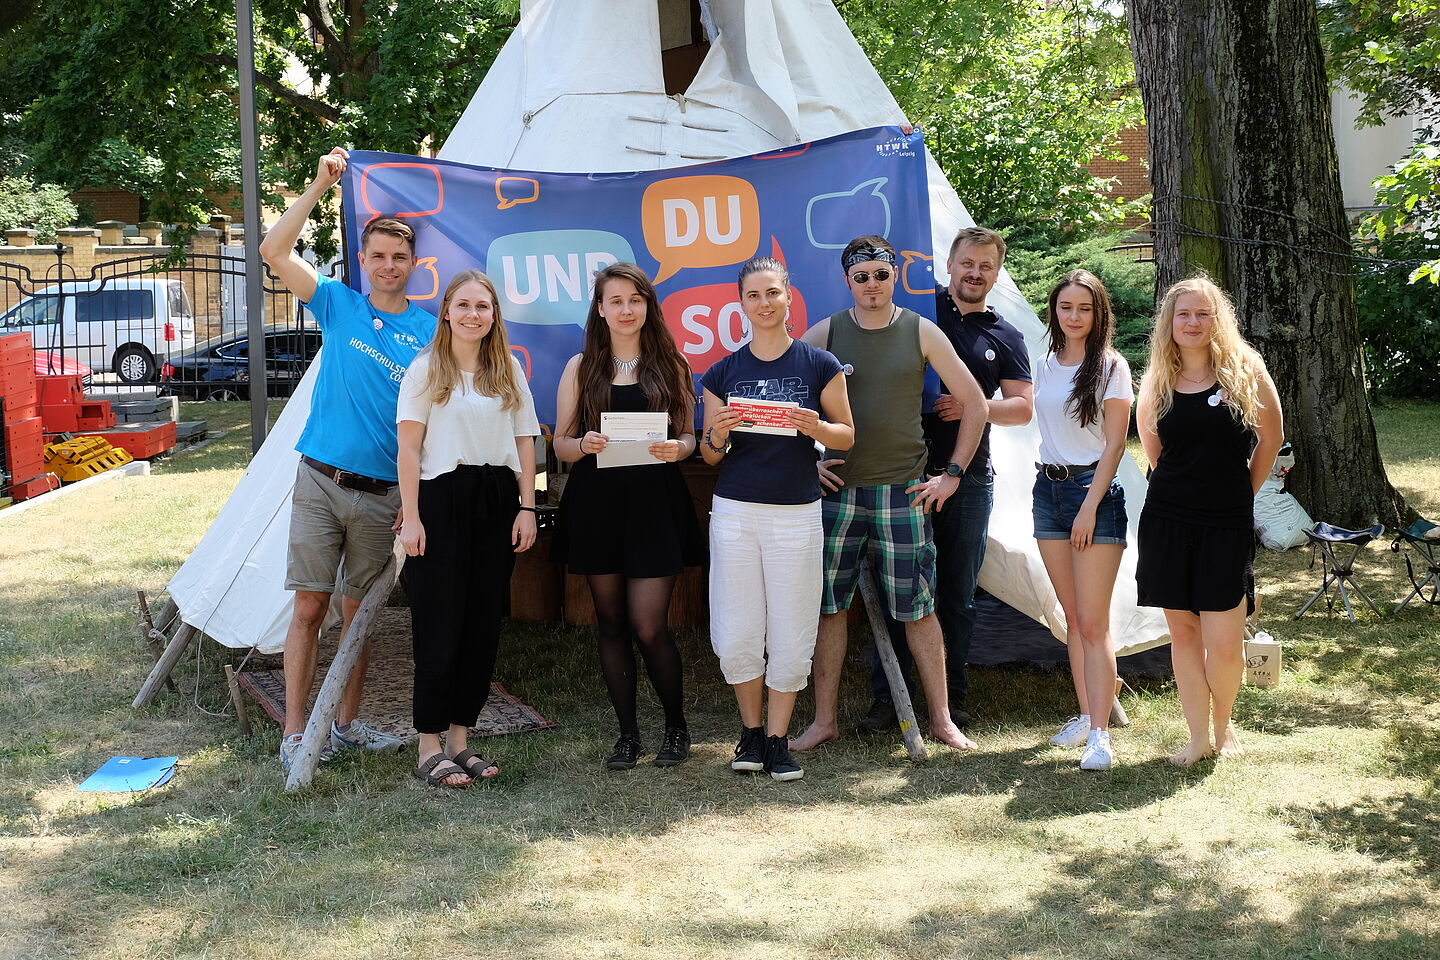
(1063, 471)
(352, 481)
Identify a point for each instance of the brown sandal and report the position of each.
(433, 770)
(475, 765)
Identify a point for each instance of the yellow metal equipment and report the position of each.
(84, 457)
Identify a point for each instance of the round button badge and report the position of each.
(848, 369)
(379, 323)
(989, 354)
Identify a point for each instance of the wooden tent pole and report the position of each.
(151, 636)
(161, 671)
(317, 730)
(900, 695)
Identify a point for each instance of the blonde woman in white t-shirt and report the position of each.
(1082, 405)
(467, 427)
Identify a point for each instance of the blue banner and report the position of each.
(541, 236)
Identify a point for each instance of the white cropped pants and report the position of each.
(765, 578)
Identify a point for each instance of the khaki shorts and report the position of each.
(329, 523)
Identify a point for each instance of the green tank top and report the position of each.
(886, 377)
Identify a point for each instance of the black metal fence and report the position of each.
(136, 322)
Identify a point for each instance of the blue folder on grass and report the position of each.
(122, 774)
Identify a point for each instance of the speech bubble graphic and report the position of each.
(511, 191)
(544, 276)
(410, 194)
(701, 221)
(426, 264)
(917, 272)
(834, 219)
(708, 322)
(525, 356)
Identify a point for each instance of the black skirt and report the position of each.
(636, 521)
(1188, 566)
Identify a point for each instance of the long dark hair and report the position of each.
(662, 373)
(1096, 368)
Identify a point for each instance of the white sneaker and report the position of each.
(1073, 734)
(360, 734)
(1098, 755)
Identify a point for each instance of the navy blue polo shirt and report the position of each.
(993, 350)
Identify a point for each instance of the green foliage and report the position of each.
(42, 207)
(1036, 265)
(1400, 322)
(140, 94)
(1016, 99)
(1389, 52)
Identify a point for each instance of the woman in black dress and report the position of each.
(630, 530)
(1210, 421)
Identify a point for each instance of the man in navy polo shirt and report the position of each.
(995, 353)
(346, 497)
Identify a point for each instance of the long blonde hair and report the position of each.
(1238, 366)
(495, 376)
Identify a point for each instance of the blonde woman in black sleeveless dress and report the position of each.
(1210, 421)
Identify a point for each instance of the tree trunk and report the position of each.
(1247, 189)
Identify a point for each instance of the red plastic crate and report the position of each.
(59, 417)
(59, 388)
(14, 345)
(19, 399)
(22, 435)
(96, 413)
(42, 483)
(142, 440)
(16, 375)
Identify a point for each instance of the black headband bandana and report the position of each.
(866, 254)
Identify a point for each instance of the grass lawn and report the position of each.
(1322, 844)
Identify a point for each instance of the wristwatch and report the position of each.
(953, 469)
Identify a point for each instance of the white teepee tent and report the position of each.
(579, 87)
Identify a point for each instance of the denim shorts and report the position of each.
(1055, 503)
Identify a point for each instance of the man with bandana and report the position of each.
(995, 354)
(879, 492)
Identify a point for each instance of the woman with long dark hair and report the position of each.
(630, 530)
(1082, 407)
(1210, 422)
(467, 429)
(766, 537)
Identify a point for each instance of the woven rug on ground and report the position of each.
(388, 685)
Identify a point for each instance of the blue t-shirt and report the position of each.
(762, 467)
(352, 412)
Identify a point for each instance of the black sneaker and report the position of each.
(778, 762)
(881, 717)
(676, 748)
(626, 753)
(750, 752)
(959, 715)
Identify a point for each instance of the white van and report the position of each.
(125, 324)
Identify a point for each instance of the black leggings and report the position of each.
(457, 591)
(640, 609)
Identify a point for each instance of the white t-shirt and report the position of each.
(1062, 439)
(469, 428)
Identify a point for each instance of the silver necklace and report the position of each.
(624, 366)
(1194, 381)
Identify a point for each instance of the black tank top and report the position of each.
(1203, 474)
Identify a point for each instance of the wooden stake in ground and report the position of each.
(899, 693)
(149, 634)
(237, 700)
(317, 730)
(165, 664)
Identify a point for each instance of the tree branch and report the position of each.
(311, 105)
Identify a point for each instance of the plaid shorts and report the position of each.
(905, 550)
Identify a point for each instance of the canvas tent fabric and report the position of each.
(579, 88)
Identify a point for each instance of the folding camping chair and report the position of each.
(1339, 569)
(1427, 553)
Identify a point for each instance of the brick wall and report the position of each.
(1132, 174)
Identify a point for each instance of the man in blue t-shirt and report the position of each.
(346, 498)
(995, 354)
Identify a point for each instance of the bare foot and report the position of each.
(1192, 754)
(1228, 743)
(814, 736)
(951, 735)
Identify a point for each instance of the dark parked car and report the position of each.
(219, 369)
